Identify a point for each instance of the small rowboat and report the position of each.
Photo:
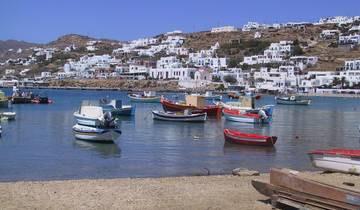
(8, 115)
(239, 116)
(292, 100)
(146, 97)
(341, 160)
(88, 133)
(237, 137)
(211, 110)
(179, 117)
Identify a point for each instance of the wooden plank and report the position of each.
(275, 192)
(291, 180)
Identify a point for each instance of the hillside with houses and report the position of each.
(269, 57)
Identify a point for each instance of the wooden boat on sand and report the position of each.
(290, 188)
(237, 137)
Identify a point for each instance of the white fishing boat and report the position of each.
(185, 116)
(88, 133)
(8, 115)
(340, 160)
(146, 97)
(293, 100)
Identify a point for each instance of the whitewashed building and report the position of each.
(223, 29)
(168, 62)
(329, 34)
(179, 73)
(174, 40)
(303, 61)
(350, 39)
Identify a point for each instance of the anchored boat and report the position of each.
(8, 115)
(237, 137)
(341, 160)
(185, 116)
(261, 117)
(195, 106)
(146, 97)
(292, 100)
(116, 107)
(41, 99)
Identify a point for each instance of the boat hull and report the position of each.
(341, 160)
(21, 100)
(246, 118)
(124, 111)
(4, 103)
(95, 134)
(235, 137)
(201, 117)
(290, 102)
(9, 115)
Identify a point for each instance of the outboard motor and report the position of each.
(263, 114)
(109, 120)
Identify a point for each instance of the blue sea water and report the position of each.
(39, 144)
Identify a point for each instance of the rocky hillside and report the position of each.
(14, 44)
(77, 40)
(236, 45)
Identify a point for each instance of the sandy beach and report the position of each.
(200, 192)
(197, 192)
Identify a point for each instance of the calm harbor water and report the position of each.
(39, 144)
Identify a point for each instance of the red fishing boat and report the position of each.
(248, 138)
(169, 106)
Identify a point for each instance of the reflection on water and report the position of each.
(103, 149)
(45, 148)
(247, 149)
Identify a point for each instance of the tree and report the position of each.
(336, 81)
(230, 79)
(233, 62)
(216, 79)
(298, 50)
(221, 87)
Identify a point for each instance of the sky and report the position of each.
(42, 21)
